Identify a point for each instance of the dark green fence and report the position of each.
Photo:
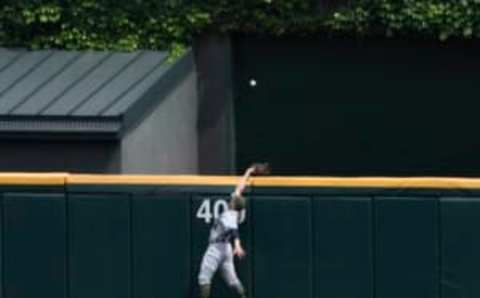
(146, 241)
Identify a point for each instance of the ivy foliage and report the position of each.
(127, 25)
(122, 25)
(440, 19)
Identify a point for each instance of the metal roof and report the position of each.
(80, 91)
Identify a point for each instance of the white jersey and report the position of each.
(219, 253)
(225, 227)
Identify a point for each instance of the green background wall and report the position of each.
(115, 242)
(357, 107)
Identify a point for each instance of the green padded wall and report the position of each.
(34, 243)
(282, 241)
(161, 245)
(343, 254)
(406, 247)
(99, 246)
(149, 244)
(460, 263)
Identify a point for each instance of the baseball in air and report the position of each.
(253, 83)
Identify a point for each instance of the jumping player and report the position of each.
(220, 253)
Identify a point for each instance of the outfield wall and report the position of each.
(143, 236)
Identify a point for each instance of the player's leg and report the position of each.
(230, 275)
(210, 262)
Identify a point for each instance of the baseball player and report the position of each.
(224, 231)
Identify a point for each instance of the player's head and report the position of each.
(237, 203)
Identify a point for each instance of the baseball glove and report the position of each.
(261, 168)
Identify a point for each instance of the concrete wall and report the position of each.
(166, 140)
(213, 58)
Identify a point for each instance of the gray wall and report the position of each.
(77, 156)
(213, 57)
(164, 152)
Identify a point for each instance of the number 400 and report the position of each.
(207, 213)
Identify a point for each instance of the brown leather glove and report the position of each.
(261, 168)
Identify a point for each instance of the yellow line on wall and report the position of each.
(47, 179)
(335, 182)
(50, 179)
(152, 180)
(369, 182)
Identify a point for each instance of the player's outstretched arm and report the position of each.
(243, 182)
(254, 169)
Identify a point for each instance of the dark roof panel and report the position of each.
(121, 105)
(12, 74)
(39, 102)
(38, 78)
(29, 82)
(60, 90)
(8, 57)
(89, 85)
(77, 86)
(117, 87)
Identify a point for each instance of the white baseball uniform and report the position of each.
(219, 252)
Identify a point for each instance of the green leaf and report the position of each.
(443, 36)
(468, 32)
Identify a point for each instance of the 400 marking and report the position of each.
(212, 209)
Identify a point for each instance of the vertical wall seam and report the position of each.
(2, 245)
(440, 246)
(313, 248)
(67, 243)
(190, 227)
(131, 246)
(252, 244)
(374, 247)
